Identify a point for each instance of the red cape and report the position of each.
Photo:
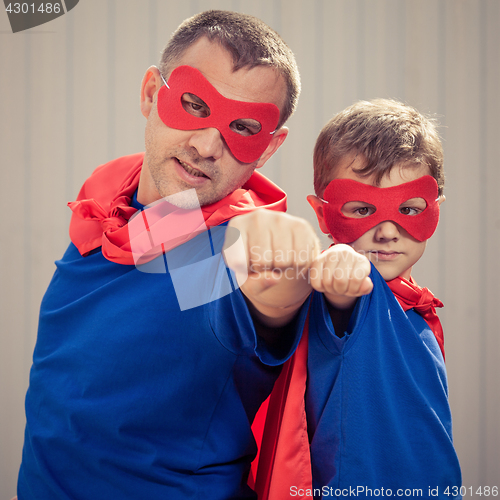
(283, 463)
(102, 209)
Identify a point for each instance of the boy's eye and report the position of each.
(358, 209)
(245, 126)
(195, 106)
(409, 211)
(363, 211)
(413, 206)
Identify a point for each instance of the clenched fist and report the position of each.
(342, 274)
(272, 264)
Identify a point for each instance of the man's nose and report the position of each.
(208, 142)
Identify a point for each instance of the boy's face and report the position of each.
(391, 249)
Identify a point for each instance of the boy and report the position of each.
(378, 419)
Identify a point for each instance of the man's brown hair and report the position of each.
(385, 132)
(249, 41)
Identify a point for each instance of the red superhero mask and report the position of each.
(387, 203)
(224, 113)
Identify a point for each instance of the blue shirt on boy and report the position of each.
(377, 402)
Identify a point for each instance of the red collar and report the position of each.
(102, 209)
(411, 296)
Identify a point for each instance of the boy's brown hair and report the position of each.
(385, 132)
(250, 41)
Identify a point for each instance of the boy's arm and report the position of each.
(272, 266)
(342, 275)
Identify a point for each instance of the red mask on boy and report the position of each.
(386, 202)
(223, 111)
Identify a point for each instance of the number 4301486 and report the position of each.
(24, 8)
(481, 491)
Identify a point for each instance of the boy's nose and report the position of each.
(208, 142)
(387, 231)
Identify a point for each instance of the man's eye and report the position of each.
(246, 127)
(195, 106)
(241, 128)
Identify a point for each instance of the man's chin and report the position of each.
(187, 199)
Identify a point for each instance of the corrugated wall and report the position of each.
(69, 101)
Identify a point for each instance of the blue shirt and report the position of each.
(131, 397)
(377, 402)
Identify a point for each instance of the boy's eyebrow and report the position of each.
(414, 199)
(360, 201)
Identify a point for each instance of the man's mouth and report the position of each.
(190, 170)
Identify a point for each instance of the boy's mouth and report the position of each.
(384, 254)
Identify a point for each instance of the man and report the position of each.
(149, 366)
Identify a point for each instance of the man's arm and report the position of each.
(272, 267)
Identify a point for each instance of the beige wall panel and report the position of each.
(69, 101)
(164, 17)
(14, 317)
(33, 190)
(88, 68)
(130, 64)
(295, 170)
(461, 222)
(337, 82)
(383, 50)
(424, 88)
(490, 241)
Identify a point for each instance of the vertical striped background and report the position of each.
(69, 101)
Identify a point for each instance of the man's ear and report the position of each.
(278, 137)
(151, 83)
(317, 205)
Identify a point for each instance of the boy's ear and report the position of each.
(317, 205)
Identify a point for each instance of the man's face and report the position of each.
(178, 160)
